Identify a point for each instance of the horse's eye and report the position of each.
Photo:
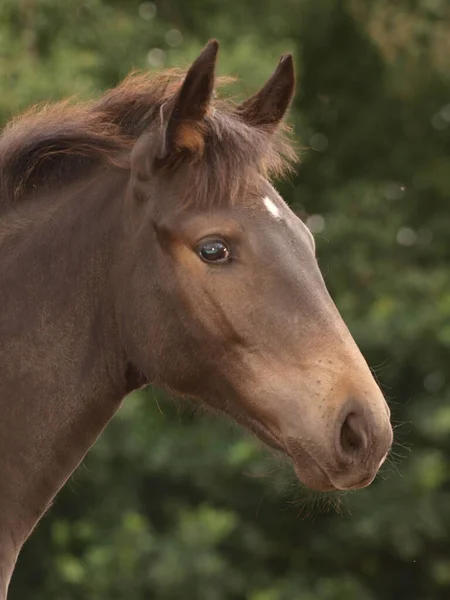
(213, 251)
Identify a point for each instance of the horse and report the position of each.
(142, 242)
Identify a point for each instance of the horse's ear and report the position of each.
(269, 105)
(184, 114)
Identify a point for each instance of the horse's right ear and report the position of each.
(182, 117)
(268, 106)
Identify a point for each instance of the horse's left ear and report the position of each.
(185, 113)
(269, 105)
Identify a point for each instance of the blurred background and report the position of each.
(174, 505)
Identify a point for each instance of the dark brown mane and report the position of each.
(50, 146)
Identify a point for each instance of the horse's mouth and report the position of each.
(307, 470)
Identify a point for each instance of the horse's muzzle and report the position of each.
(348, 459)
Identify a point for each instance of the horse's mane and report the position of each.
(54, 145)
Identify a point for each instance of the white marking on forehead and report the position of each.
(282, 212)
(271, 207)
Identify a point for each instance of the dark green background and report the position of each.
(174, 505)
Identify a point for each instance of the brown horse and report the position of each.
(141, 242)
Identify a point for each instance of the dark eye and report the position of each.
(214, 251)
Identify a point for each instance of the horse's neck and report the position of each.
(62, 368)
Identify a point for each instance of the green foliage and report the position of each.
(172, 506)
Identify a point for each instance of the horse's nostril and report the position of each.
(362, 437)
(353, 437)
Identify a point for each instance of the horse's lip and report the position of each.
(307, 469)
(312, 474)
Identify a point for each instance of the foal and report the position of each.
(142, 242)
